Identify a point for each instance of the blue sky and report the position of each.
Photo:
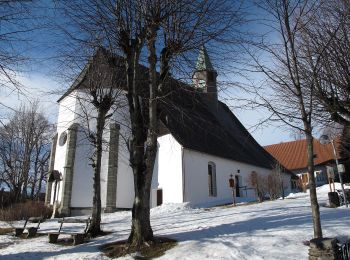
(39, 76)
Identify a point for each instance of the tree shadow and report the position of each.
(250, 226)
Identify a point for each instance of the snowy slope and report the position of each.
(270, 230)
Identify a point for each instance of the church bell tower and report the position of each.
(204, 77)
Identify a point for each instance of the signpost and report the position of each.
(330, 175)
(232, 186)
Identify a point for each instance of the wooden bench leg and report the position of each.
(31, 231)
(78, 239)
(53, 238)
(18, 231)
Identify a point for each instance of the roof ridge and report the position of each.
(286, 142)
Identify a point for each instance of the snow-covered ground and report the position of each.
(269, 230)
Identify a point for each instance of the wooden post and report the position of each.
(31, 232)
(78, 239)
(234, 196)
(231, 182)
(53, 237)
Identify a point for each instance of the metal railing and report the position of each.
(341, 196)
(245, 190)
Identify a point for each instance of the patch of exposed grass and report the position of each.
(68, 241)
(155, 249)
(5, 231)
(24, 235)
(25, 210)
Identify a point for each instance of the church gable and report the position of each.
(199, 137)
(190, 114)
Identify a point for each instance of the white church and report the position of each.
(200, 145)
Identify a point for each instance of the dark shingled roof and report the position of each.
(204, 125)
(201, 124)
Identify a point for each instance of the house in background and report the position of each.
(200, 144)
(292, 155)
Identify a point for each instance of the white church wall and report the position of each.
(86, 116)
(154, 184)
(82, 187)
(170, 169)
(196, 179)
(75, 109)
(125, 192)
(66, 117)
(104, 168)
(66, 113)
(125, 181)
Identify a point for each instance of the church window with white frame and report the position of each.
(212, 179)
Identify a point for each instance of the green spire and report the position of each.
(203, 61)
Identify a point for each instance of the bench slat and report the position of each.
(78, 237)
(31, 219)
(73, 220)
(67, 233)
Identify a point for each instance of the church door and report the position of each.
(159, 197)
(237, 186)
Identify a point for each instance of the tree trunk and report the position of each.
(25, 175)
(141, 230)
(28, 149)
(95, 227)
(41, 179)
(17, 193)
(312, 185)
(35, 175)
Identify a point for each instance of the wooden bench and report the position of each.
(78, 237)
(31, 231)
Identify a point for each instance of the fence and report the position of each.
(341, 196)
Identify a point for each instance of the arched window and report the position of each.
(212, 179)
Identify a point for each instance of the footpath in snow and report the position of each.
(269, 230)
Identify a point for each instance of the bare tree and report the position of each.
(275, 182)
(103, 91)
(177, 24)
(17, 21)
(260, 184)
(288, 94)
(161, 31)
(326, 37)
(24, 152)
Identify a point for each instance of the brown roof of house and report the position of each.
(292, 155)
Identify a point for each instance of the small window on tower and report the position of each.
(63, 138)
(201, 83)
